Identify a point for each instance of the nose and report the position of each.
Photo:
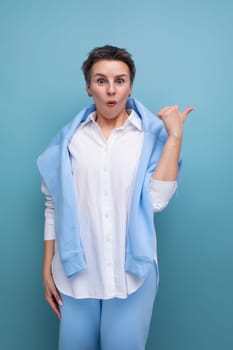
(111, 88)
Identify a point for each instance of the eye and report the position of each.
(120, 81)
(100, 81)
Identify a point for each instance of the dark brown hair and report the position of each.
(108, 52)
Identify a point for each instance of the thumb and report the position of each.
(186, 112)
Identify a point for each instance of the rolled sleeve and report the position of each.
(161, 192)
(49, 227)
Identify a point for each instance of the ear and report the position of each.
(88, 90)
(131, 90)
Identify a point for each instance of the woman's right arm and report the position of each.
(52, 295)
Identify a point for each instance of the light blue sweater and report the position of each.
(55, 167)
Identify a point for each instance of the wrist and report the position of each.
(47, 273)
(47, 278)
(174, 139)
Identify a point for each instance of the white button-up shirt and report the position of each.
(103, 173)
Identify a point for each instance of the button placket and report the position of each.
(107, 227)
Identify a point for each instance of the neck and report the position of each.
(110, 124)
(107, 125)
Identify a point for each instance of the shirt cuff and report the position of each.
(161, 192)
(49, 231)
(49, 226)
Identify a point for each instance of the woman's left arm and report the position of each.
(173, 120)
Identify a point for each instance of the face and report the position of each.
(110, 87)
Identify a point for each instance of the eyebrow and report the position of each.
(117, 76)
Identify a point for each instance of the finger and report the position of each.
(53, 304)
(167, 111)
(57, 297)
(163, 110)
(53, 298)
(51, 289)
(186, 112)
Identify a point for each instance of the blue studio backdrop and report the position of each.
(183, 52)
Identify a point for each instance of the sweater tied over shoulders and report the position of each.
(55, 168)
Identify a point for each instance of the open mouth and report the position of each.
(111, 103)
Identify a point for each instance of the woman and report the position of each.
(104, 175)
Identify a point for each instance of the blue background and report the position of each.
(183, 52)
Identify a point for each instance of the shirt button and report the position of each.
(106, 214)
(106, 193)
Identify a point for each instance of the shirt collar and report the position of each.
(133, 119)
(91, 118)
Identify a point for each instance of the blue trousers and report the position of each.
(115, 324)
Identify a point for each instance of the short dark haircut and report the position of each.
(111, 53)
